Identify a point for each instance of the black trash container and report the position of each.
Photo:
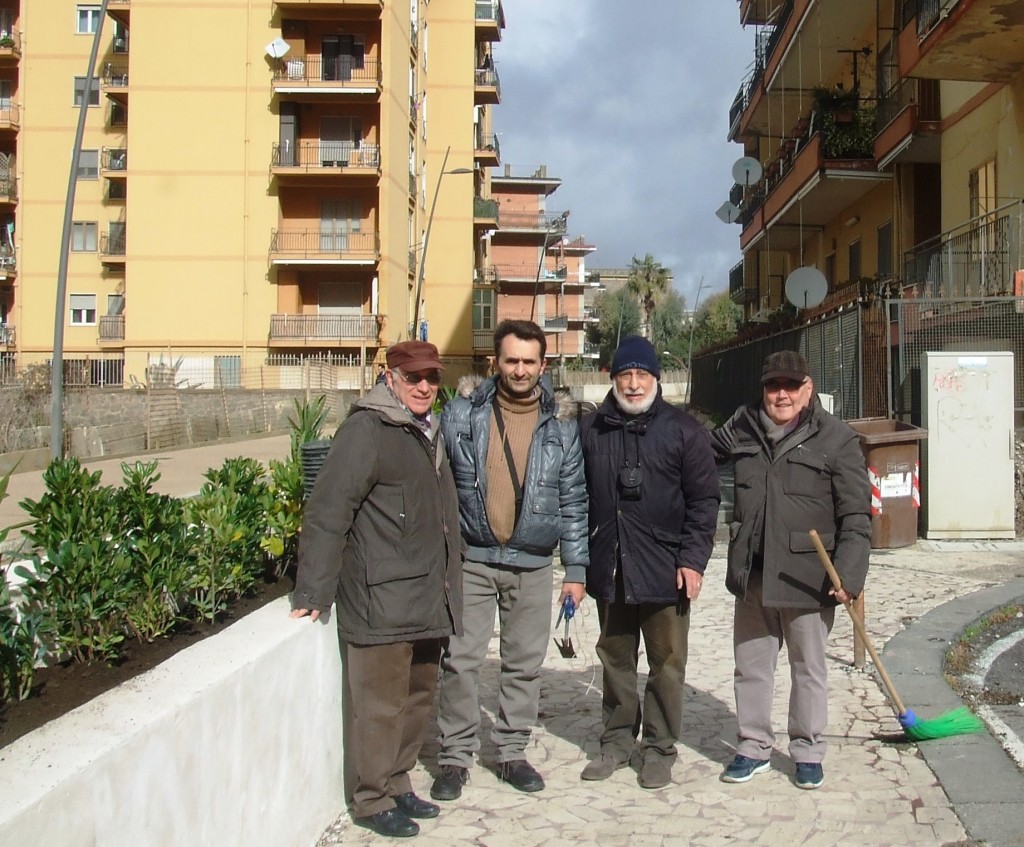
(892, 452)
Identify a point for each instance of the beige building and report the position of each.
(886, 137)
(257, 181)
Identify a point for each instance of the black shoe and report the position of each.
(520, 774)
(392, 823)
(414, 807)
(449, 782)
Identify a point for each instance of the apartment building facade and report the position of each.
(258, 183)
(536, 271)
(886, 136)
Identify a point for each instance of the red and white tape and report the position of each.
(876, 491)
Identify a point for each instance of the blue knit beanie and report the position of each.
(636, 352)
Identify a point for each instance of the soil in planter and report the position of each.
(64, 687)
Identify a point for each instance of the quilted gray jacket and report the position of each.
(554, 510)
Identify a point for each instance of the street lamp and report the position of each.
(689, 351)
(557, 226)
(426, 237)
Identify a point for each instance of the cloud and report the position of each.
(627, 103)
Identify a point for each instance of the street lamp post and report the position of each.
(557, 226)
(689, 348)
(426, 238)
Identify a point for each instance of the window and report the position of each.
(483, 308)
(854, 255)
(88, 19)
(118, 114)
(117, 189)
(88, 165)
(94, 92)
(981, 188)
(83, 237)
(115, 304)
(83, 309)
(885, 250)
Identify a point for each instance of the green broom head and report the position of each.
(960, 721)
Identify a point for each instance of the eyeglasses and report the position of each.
(432, 377)
(790, 386)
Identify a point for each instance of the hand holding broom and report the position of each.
(957, 722)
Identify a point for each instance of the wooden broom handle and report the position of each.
(858, 624)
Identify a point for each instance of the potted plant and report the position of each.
(6, 41)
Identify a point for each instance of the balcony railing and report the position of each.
(8, 261)
(314, 71)
(316, 155)
(113, 244)
(324, 328)
(490, 10)
(485, 209)
(10, 44)
(488, 78)
(114, 159)
(313, 244)
(10, 115)
(8, 188)
(111, 327)
(115, 75)
(976, 259)
(488, 141)
(540, 221)
(8, 337)
(528, 272)
(924, 93)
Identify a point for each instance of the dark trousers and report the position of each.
(387, 700)
(665, 633)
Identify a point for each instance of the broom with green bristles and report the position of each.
(956, 722)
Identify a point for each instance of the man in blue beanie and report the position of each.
(653, 491)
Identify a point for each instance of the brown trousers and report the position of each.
(387, 700)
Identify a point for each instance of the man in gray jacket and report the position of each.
(518, 466)
(798, 468)
(380, 538)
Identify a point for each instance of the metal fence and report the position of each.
(868, 356)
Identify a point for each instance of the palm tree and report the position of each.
(648, 280)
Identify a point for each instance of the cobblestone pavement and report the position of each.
(876, 792)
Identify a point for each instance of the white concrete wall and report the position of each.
(673, 392)
(234, 741)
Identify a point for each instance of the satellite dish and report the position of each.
(746, 170)
(728, 213)
(277, 48)
(806, 287)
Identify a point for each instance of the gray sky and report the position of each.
(627, 101)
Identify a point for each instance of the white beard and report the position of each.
(634, 407)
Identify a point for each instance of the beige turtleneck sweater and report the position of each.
(520, 417)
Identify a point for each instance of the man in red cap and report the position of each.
(380, 537)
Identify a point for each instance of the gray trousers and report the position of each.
(666, 633)
(758, 635)
(522, 599)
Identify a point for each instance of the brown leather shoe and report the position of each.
(603, 766)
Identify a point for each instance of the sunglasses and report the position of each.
(790, 386)
(432, 377)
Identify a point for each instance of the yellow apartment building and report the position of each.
(886, 136)
(536, 271)
(259, 181)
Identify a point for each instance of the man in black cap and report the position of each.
(654, 498)
(798, 468)
(380, 537)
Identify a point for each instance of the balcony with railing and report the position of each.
(490, 20)
(486, 150)
(8, 189)
(113, 247)
(769, 97)
(485, 213)
(972, 40)
(10, 48)
(539, 222)
(321, 246)
(111, 328)
(114, 81)
(10, 116)
(341, 159)
(319, 330)
(114, 162)
(908, 121)
(8, 336)
(313, 74)
(759, 12)
(823, 168)
(738, 291)
(978, 258)
(528, 273)
(486, 87)
(8, 263)
(316, 8)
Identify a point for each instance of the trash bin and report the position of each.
(892, 452)
(311, 456)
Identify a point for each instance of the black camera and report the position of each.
(631, 482)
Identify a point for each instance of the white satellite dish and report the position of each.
(277, 48)
(806, 287)
(728, 213)
(746, 170)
